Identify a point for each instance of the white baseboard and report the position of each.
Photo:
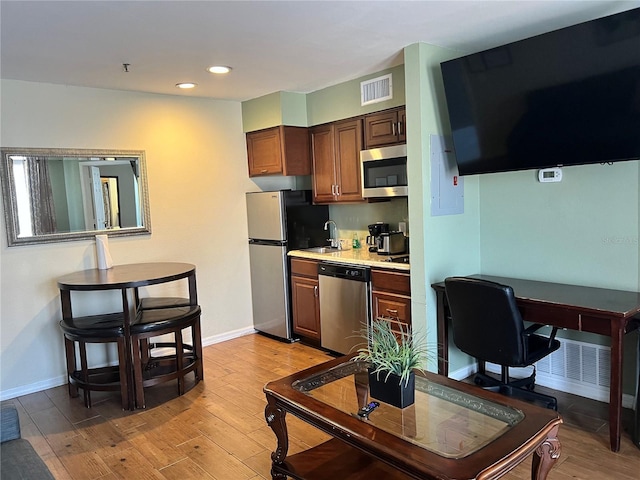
(62, 379)
(33, 387)
(223, 337)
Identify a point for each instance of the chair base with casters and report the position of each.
(488, 326)
(521, 388)
(183, 358)
(97, 329)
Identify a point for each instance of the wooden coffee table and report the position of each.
(453, 431)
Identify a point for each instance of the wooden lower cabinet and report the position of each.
(305, 298)
(391, 297)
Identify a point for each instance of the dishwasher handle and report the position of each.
(347, 272)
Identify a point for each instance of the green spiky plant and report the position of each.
(391, 352)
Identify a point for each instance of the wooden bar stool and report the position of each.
(95, 329)
(182, 358)
(151, 303)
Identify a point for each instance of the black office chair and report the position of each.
(487, 325)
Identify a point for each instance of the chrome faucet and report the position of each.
(335, 243)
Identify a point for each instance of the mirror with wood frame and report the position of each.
(57, 195)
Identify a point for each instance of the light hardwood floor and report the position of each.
(217, 430)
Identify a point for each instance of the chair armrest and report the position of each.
(9, 423)
(537, 326)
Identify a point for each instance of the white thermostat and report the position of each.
(550, 174)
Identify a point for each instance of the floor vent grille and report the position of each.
(376, 90)
(576, 367)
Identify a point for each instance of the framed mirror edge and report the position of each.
(10, 204)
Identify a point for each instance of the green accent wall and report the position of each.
(279, 108)
(583, 230)
(343, 100)
(441, 245)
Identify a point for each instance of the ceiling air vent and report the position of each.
(376, 90)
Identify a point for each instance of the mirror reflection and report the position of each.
(58, 195)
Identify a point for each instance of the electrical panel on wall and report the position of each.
(447, 187)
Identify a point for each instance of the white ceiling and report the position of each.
(296, 46)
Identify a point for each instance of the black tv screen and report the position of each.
(568, 97)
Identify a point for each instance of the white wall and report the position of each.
(197, 167)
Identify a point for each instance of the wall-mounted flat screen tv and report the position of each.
(568, 97)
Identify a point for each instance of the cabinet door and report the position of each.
(395, 309)
(264, 151)
(348, 143)
(385, 128)
(402, 125)
(306, 307)
(323, 158)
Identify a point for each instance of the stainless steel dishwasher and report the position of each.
(345, 303)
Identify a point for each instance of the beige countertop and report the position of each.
(354, 256)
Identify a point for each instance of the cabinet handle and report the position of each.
(333, 189)
(315, 291)
(393, 128)
(337, 190)
(264, 170)
(392, 312)
(400, 128)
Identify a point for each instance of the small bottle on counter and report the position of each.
(356, 241)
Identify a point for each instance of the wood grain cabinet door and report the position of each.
(281, 150)
(385, 128)
(348, 143)
(392, 308)
(306, 307)
(402, 125)
(391, 297)
(264, 152)
(323, 159)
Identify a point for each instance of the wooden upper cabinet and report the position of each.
(335, 151)
(281, 150)
(385, 128)
(323, 161)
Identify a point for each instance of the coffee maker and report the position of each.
(375, 229)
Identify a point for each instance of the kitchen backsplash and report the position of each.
(355, 218)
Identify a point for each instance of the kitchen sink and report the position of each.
(323, 249)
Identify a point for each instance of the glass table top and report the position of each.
(443, 420)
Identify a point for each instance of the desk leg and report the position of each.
(443, 335)
(615, 389)
(275, 417)
(545, 456)
(636, 423)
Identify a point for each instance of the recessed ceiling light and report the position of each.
(186, 85)
(220, 69)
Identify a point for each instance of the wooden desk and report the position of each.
(587, 309)
(453, 431)
(127, 279)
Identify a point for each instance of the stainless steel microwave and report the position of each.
(384, 172)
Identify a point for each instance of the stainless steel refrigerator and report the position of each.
(278, 222)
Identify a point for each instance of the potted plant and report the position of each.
(392, 357)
